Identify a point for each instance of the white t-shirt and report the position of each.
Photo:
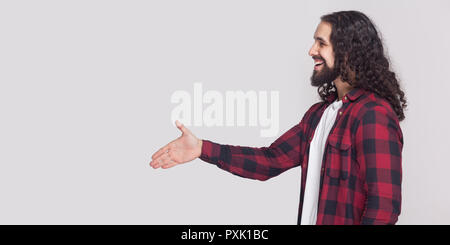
(316, 151)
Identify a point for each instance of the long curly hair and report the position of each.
(360, 59)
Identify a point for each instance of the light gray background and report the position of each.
(85, 100)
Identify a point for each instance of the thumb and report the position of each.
(181, 127)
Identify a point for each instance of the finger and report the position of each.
(163, 160)
(154, 163)
(157, 162)
(160, 152)
(171, 164)
(181, 127)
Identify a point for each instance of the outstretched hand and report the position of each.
(184, 149)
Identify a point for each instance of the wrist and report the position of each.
(199, 147)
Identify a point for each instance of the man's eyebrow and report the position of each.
(320, 39)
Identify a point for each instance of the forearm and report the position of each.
(248, 162)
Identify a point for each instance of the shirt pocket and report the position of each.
(339, 157)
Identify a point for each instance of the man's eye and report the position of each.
(321, 44)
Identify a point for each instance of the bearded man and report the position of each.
(349, 145)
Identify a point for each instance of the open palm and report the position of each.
(184, 149)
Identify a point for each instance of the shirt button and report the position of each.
(340, 113)
(345, 97)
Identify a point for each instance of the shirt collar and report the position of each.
(353, 95)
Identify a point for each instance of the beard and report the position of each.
(326, 75)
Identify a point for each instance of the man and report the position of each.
(348, 145)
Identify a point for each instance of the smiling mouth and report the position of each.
(318, 63)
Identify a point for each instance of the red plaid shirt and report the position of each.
(361, 169)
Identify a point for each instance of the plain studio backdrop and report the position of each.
(85, 100)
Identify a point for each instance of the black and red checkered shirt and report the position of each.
(361, 169)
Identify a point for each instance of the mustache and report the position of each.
(318, 57)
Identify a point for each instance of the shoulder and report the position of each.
(372, 112)
(369, 104)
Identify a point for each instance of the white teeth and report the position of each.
(318, 63)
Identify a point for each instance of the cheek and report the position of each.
(328, 55)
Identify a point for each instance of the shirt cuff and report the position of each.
(210, 151)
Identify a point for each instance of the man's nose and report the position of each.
(313, 51)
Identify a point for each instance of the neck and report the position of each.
(342, 87)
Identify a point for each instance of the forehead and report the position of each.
(323, 31)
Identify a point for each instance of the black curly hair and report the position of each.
(360, 59)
